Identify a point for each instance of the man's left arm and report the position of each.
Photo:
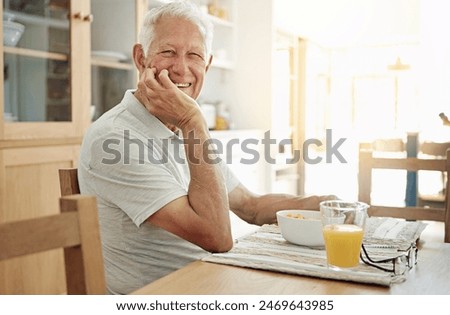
(261, 209)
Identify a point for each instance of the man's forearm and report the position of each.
(207, 192)
(261, 210)
(266, 206)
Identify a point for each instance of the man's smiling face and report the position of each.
(179, 47)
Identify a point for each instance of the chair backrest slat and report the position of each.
(76, 230)
(32, 236)
(410, 164)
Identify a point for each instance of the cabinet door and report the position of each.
(113, 34)
(45, 68)
(29, 187)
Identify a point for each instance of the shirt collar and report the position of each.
(137, 109)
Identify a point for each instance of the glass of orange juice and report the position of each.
(343, 231)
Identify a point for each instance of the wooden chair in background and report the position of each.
(434, 150)
(367, 163)
(75, 229)
(393, 145)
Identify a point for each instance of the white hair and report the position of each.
(180, 8)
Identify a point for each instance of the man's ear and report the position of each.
(209, 63)
(139, 57)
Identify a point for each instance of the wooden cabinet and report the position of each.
(50, 78)
(45, 73)
(114, 32)
(29, 188)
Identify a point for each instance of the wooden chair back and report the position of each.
(437, 149)
(367, 163)
(389, 145)
(76, 229)
(68, 181)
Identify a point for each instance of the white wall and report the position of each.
(337, 23)
(253, 85)
(435, 70)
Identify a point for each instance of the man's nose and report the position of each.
(180, 65)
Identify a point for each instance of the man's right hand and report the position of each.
(165, 100)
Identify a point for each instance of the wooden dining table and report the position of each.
(431, 275)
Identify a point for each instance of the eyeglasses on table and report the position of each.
(398, 265)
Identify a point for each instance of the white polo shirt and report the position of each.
(135, 165)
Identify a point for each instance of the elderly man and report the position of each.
(161, 203)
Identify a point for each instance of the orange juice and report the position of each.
(343, 244)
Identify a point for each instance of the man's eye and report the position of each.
(197, 56)
(168, 53)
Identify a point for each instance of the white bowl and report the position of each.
(306, 231)
(12, 32)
